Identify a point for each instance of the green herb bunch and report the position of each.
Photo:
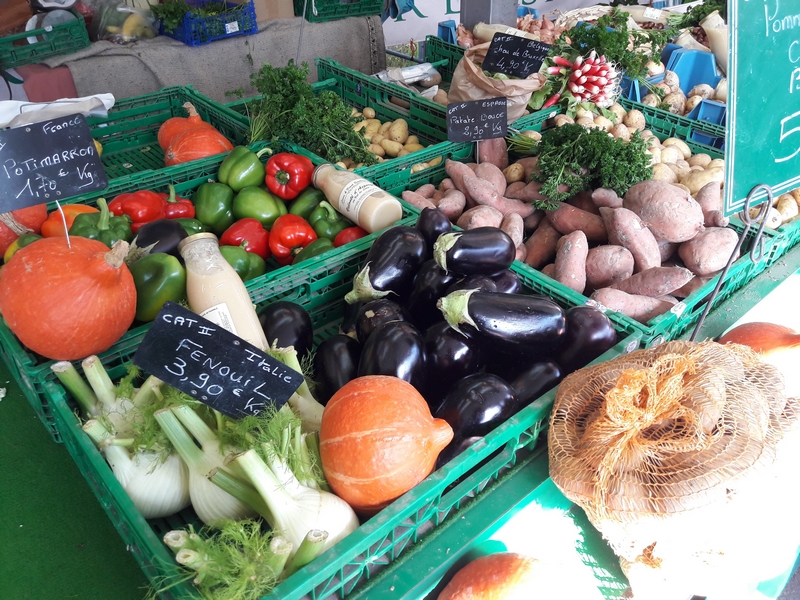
(584, 159)
(290, 109)
(696, 14)
(171, 12)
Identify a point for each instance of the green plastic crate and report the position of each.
(782, 239)
(320, 289)
(65, 38)
(129, 134)
(319, 11)
(31, 370)
(436, 49)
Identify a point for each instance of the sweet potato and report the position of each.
(672, 300)
(605, 197)
(493, 151)
(626, 229)
(607, 265)
(694, 284)
(447, 184)
(530, 164)
(526, 193)
(427, 190)
(583, 200)
(549, 270)
(522, 252)
(532, 221)
(542, 245)
(512, 189)
(456, 171)
(480, 216)
(512, 224)
(666, 250)
(708, 251)
(656, 281)
(414, 199)
(640, 308)
(668, 211)
(710, 200)
(571, 252)
(566, 219)
(437, 197)
(452, 204)
(484, 193)
(493, 175)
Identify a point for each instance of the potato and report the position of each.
(400, 101)
(398, 131)
(420, 167)
(662, 172)
(796, 195)
(373, 125)
(513, 173)
(403, 152)
(583, 113)
(435, 161)
(377, 139)
(384, 128)
(676, 102)
(648, 135)
(431, 80)
(360, 125)
(696, 168)
(697, 179)
(534, 135)
(683, 164)
(717, 163)
(412, 139)
(670, 154)
(368, 112)
(560, 120)
(691, 102)
(635, 118)
(787, 207)
(413, 147)
(354, 113)
(700, 160)
(441, 97)
(342, 164)
(721, 91)
(603, 123)
(680, 144)
(631, 130)
(679, 171)
(664, 87)
(392, 148)
(376, 149)
(651, 100)
(621, 132)
(655, 153)
(617, 109)
(654, 68)
(671, 79)
(586, 122)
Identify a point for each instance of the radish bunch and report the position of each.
(590, 79)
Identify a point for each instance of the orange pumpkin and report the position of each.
(501, 576)
(194, 144)
(172, 127)
(378, 440)
(68, 303)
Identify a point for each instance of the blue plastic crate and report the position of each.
(694, 67)
(195, 30)
(447, 31)
(527, 10)
(710, 111)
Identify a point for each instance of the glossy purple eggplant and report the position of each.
(351, 312)
(450, 357)
(507, 282)
(375, 313)
(534, 381)
(335, 363)
(479, 251)
(432, 223)
(289, 324)
(482, 283)
(477, 404)
(454, 448)
(395, 348)
(589, 333)
(429, 285)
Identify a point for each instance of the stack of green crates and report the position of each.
(64, 38)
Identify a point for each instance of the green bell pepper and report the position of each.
(192, 226)
(306, 202)
(102, 226)
(246, 264)
(315, 248)
(242, 168)
(261, 205)
(327, 223)
(159, 278)
(213, 204)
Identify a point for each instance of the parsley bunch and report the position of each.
(171, 12)
(586, 159)
(289, 109)
(694, 15)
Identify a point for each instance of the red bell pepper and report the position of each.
(176, 207)
(142, 207)
(345, 236)
(288, 236)
(288, 174)
(256, 239)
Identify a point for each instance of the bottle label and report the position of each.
(353, 195)
(220, 314)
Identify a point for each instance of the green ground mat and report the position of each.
(56, 542)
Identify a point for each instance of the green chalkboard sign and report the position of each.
(763, 137)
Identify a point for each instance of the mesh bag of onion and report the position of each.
(678, 454)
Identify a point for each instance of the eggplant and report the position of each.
(481, 283)
(396, 348)
(432, 223)
(510, 323)
(429, 285)
(454, 448)
(351, 312)
(166, 234)
(534, 381)
(507, 282)
(589, 333)
(335, 364)
(477, 404)
(390, 266)
(375, 313)
(289, 324)
(450, 357)
(479, 251)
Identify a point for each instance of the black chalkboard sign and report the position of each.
(514, 55)
(477, 120)
(213, 365)
(53, 160)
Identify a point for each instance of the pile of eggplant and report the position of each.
(442, 310)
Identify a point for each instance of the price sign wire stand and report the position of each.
(756, 251)
(64, 220)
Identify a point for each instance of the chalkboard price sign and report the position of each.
(53, 160)
(763, 120)
(477, 120)
(213, 365)
(514, 55)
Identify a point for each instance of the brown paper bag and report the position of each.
(469, 83)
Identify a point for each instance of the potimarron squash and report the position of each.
(67, 303)
(378, 440)
(172, 127)
(193, 144)
(500, 576)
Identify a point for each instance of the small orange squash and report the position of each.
(378, 440)
(500, 576)
(172, 127)
(68, 303)
(194, 144)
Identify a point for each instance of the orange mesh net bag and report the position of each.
(664, 448)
